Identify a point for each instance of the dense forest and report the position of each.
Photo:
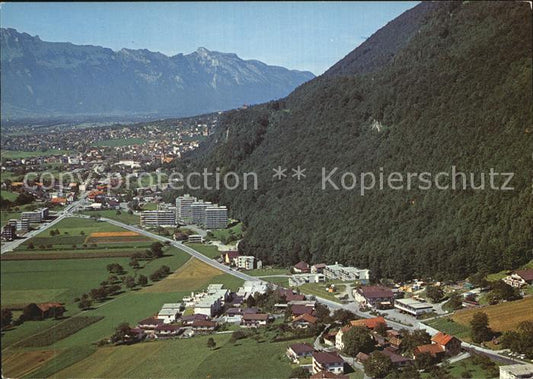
(457, 92)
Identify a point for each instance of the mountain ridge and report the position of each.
(458, 93)
(87, 79)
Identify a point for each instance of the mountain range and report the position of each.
(445, 84)
(59, 79)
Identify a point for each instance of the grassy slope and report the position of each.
(248, 358)
(124, 217)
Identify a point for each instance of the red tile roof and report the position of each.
(327, 375)
(370, 323)
(306, 317)
(301, 309)
(442, 338)
(432, 349)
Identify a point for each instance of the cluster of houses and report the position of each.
(320, 272)
(329, 363)
(217, 305)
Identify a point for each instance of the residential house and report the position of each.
(254, 320)
(203, 325)
(377, 297)
(325, 361)
(318, 268)
(149, 323)
(298, 310)
(435, 350)
(519, 278)
(370, 323)
(396, 359)
(299, 350)
(166, 331)
(346, 273)
(450, 344)
(301, 267)
(228, 257)
(304, 321)
(327, 375)
(188, 320)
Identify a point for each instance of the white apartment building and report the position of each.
(345, 273)
(198, 211)
(216, 217)
(184, 208)
(158, 218)
(246, 262)
(413, 307)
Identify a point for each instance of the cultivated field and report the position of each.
(191, 276)
(20, 363)
(115, 237)
(502, 317)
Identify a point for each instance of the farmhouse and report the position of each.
(188, 320)
(299, 350)
(149, 323)
(450, 344)
(318, 268)
(396, 359)
(519, 278)
(301, 267)
(41, 311)
(324, 361)
(229, 256)
(378, 297)
(203, 325)
(165, 331)
(304, 321)
(253, 320)
(435, 350)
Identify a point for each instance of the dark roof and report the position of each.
(204, 323)
(395, 358)
(255, 317)
(302, 265)
(326, 358)
(371, 292)
(234, 311)
(169, 328)
(150, 321)
(197, 316)
(527, 275)
(300, 348)
(301, 309)
(231, 254)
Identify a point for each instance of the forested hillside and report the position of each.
(458, 93)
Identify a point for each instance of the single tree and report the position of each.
(480, 330)
(435, 294)
(211, 343)
(378, 365)
(6, 317)
(356, 340)
(142, 280)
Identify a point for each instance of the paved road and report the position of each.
(184, 248)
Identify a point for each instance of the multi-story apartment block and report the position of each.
(216, 217)
(184, 208)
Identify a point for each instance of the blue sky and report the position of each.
(298, 35)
